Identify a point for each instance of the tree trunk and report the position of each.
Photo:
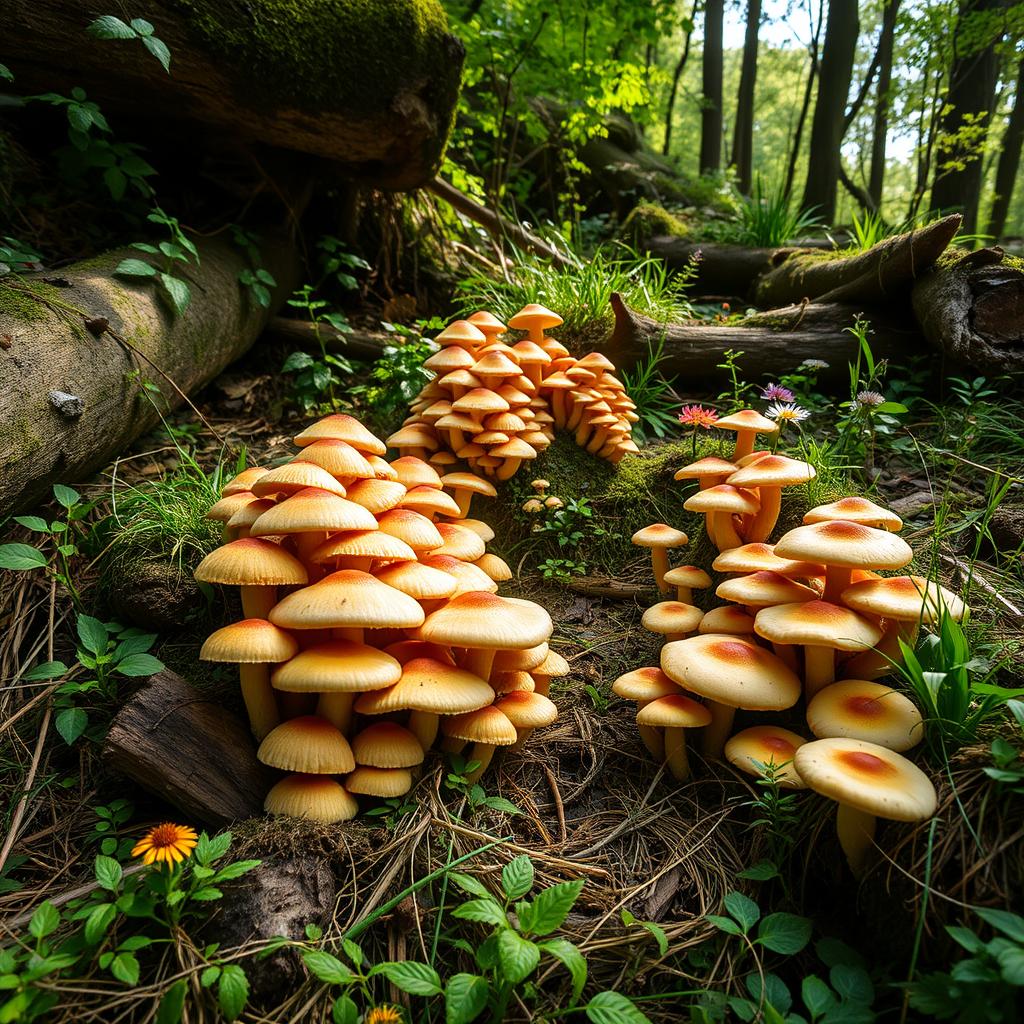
(1009, 160)
(880, 129)
(772, 343)
(973, 310)
(677, 73)
(70, 393)
(967, 112)
(805, 106)
(874, 276)
(743, 132)
(189, 750)
(833, 88)
(370, 86)
(711, 88)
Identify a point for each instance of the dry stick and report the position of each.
(559, 809)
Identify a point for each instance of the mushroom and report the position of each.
(376, 496)
(386, 783)
(458, 542)
(341, 427)
(412, 528)
(535, 320)
(257, 567)
(659, 538)
(467, 576)
(513, 453)
(552, 666)
(486, 729)
(856, 510)
(675, 713)
(686, 579)
(313, 797)
(868, 782)
(540, 486)
(495, 567)
(730, 619)
(863, 710)
(644, 685)
(309, 745)
(769, 475)
(465, 485)
(721, 502)
(413, 472)
(756, 557)
(526, 710)
(524, 660)
(293, 477)
(491, 327)
(339, 459)
(243, 481)
(429, 501)
(747, 424)
(533, 506)
(419, 581)
(673, 619)
(387, 745)
(760, 745)
(241, 521)
(359, 549)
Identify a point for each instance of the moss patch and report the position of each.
(647, 220)
(15, 303)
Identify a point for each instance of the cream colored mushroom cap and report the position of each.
(225, 508)
(348, 598)
(526, 709)
(251, 562)
(418, 580)
(905, 598)
(722, 498)
(763, 745)
(855, 510)
(459, 542)
(730, 618)
(553, 665)
(430, 500)
(415, 472)
(362, 544)
(868, 777)
(341, 427)
(249, 642)
(644, 684)
(756, 557)
(482, 620)
(375, 495)
(295, 476)
(469, 482)
(467, 576)
(674, 711)
(817, 624)
(863, 710)
(381, 782)
(414, 529)
(479, 527)
(524, 660)
(533, 314)
(387, 745)
(307, 744)
(243, 481)
(840, 542)
(338, 666)
(764, 588)
(747, 419)
(731, 671)
(709, 466)
(659, 535)
(489, 725)
(431, 686)
(495, 567)
(310, 511)
(338, 458)
(773, 471)
(671, 617)
(315, 797)
(688, 576)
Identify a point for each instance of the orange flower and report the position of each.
(167, 842)
(383, 1015)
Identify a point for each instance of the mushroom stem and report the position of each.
(451, 745)
(482, 752)
(351, 633)
(507, 469)
(479, 660)
(856, 831)
(558, 407)
(744, 444)
(787, 654)
(717, 732)
(259, 698)
(653, 741)
(724, 531)
(463, 498)
(522, 735)
(819, 668)
(423, 725)
(337, 709)
(684, 595)
(659, 563)
(837, 579)
(675, 754)
(879, 660)
(257, 601)
(763, 521)
(541, 684)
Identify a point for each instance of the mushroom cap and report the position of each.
(553, 665)
(467, 576)
(376, 496)
(459, 378)
(429, 685)
(756, 557)
(688, 576)
(495, 364)
(430, 501)
(461, 331)
(404, 651)
(382, 782)
(506, 682)
(709, 466)
(315, 797)
(530, 354)
(251, 562)
(868, 777)
(644, 684)
(760, 589)
(412, 528)
(414, 472)
(458, 542)
(310, 511)
(452, 357)
(362, 544)
(495, 567)
(818, 624)
(500, 424)
(469, 482)
(381, 469)
(674, 711)
(729, 618)
(250, 642)
(415, 435)
(296, 476)
(856, 510)
(248, 513)
(479, 527)
(526, 709)
(514, 448)
(418, 580)
(341, 427)
(659, 535)
(480, 400)
(840, 542)
(524, 660)
(534, 315)
(387, 745)
(671, 617)
(336, 457)
(773, 471)
(904, 598)
(747, 419)
(243, 481)
(486, 322)
(482, 620)
(722, 498)
(766, 744)
(731, 671)
(487, 725)
(348, 598)
(864, 710)
(222, 510)
(308, 744)
(338, 666)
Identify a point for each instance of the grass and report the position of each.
(768, 217)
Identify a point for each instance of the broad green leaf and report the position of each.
(966, 938)
(125, 968)
(92, 633)
(725, 924)
(173, 1003)
(139, 665)
(1004, 921)
(614, 1008)
(98, 921)
(177, 291)
(209, 975)
(784, 933)
(517, 877)
(207, 894)
(109, 27)
(237, 869)
(344, 1011)
(46, 670)
(817, 996)
(297, 361)
(411, 976)
(353, 951)
(21, 557)
(486, 911)
(44, 921)
(159, 49)
(743, 909)
(208, 850)
(135, 268)
(143, 27)
(852, 983)
(550, 908)
(770, 990)
(467, 883)
(34, 523)
(517, 956)
(71, 723)
(762, 871)
(465, 997)
(571, 959)
(1011, 965)
(499, 803)
(232, 991)
(327, 968)
(108, 873)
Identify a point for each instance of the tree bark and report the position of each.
(880, 128)
(833, 88)
(973, 310)
(743, 131)
(711, 88)
(189, 750)
(71, 394)
(875, 276)
(1009, 160)
(772, 343)
(805, 106)
(677, 73)
(380, 119)
(968, 108)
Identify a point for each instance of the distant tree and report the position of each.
(823, 168)
(688, 25)
(711, 91)
(805, 106)
(1009, 159)
(883, 100)
(743, 132)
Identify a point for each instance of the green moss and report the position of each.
(15, 303)
(646, 220)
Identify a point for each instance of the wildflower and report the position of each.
(383, 1015)
(814, 364)
(870, 398)
(776, 393)
(786, 412)
(167, 842)
(695, 416)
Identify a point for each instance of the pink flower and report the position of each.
(695, 416)
(776, 393)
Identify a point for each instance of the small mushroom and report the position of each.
(686, 579)
(673, 619)
(258, 567)
(313, 797)
(746, 424)
(769, 475)
(659, 538)
(644, 685)
(721, 503)
(760, 745)
(309, 745)
(864, 710)
(487, 729)
(675, 713)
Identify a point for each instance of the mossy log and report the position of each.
(369, 85)
(873, 277)
(971, 307)
(772, 343)
(72, 394)
(189, 750)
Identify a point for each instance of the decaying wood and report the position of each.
(973, 310)
(884, 271)
(773, 343)
(359, 343)
(607, 586)
(721, 269)
(189, 750)
(71, 395)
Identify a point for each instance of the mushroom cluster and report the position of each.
(494, 405)
(371, 621)
(802, 613)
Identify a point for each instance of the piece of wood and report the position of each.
(772, 343)
(721, 269)
(972, 309)
(189, 750)
(358, 343)
(71, 395)
(873, 277)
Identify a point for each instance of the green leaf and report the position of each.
(517, 956)
(208, 850)
(487, 911)
(135, 268)
(232, 991)
(108, 873)
(743, 909)
(116, 182)
(66, 496)
(92, 633)
(1011, 964)
(762, 871)
(1003, 921)
(724, 924)
(35, 523)
(177, 291)
(517, 877)
(467, 883)
(145, 247)
(125, 967)
(353, 951)
(44, 921)
(237, 869)
(143, 27)
(771, 991)
(465, 997)
(173, 1003)
(329, 969)
(614, 1008)
(98, 921)
(139, 665)
(297, 361)
(344, 1011)
(207, 894)
(550, 908)
(817, 996)
(209, 976)
(71, 723)
(21, 557)
(852, 983)
(411, 976)
(46, 670)
(159, 49)
(5, 73)
(572, 960)
(109, 27)
(784, 933)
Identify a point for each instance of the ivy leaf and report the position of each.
(614, 1008)
(344, 1011)
(108, 873)
(139, 665)
(46, 670)
(232, 991)
(125, 967)
(517, 877)
(159, 49)
(21, 557)
(177, 291)
(469, 884)
(44, 921)
(518, 956)
(135, 268)
(465, 997)
(34, 523)
(572, 960)
(411, 976)
(297, 361)
(109, 27)
(97, 923)
(71, 723)
(142, 27)
(92, 633)
(550, 908)
(743, 909)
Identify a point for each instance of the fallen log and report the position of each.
(720, 269)
(772, 343)
(358, 343)
(73, 395)
(873, 277)
(370, 85)
(972, 308)
(189, 750)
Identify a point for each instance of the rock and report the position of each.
(155, 595)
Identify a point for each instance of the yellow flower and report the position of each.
(383, 1015)
(167, 842)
